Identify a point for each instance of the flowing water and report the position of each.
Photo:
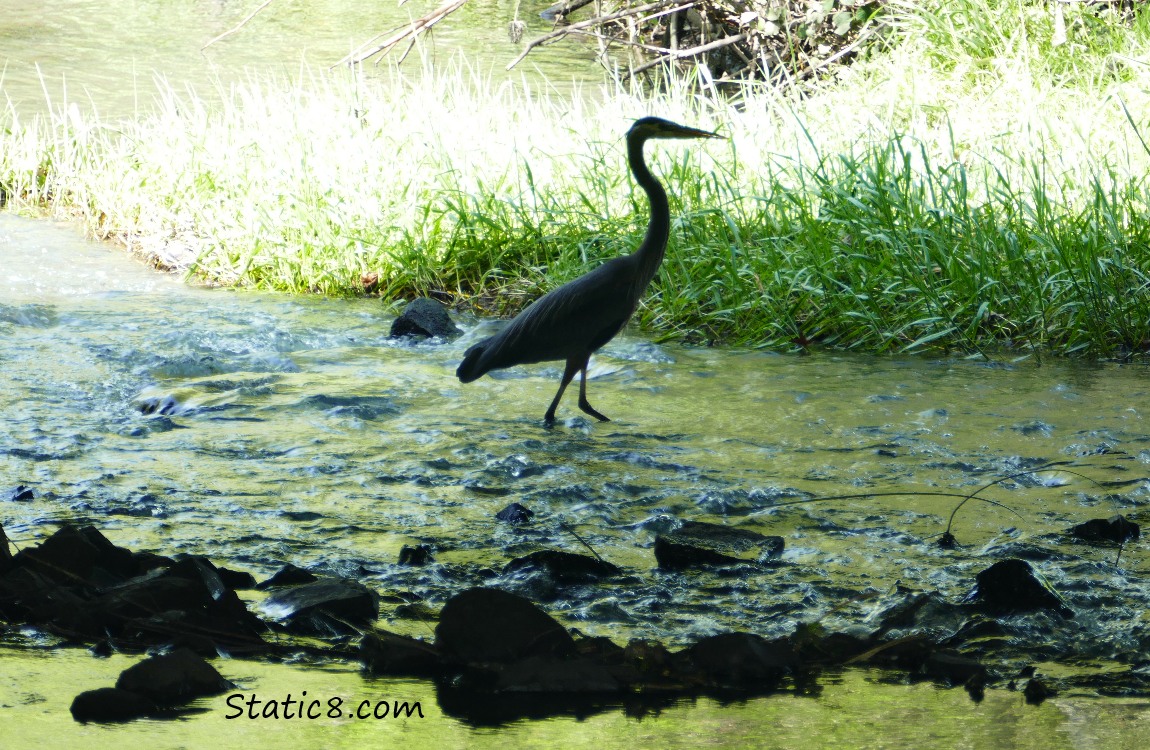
(260, 430)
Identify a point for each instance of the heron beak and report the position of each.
(688, 132)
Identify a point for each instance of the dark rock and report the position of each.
(236, 580)
(110, 704)
(386, 653)
(1012, 586)
(173, 678)
(1117, 529)
(832, 648)
(288, 575)
(1037, 691)
(542, 674)
(415, 556)
(187, 604)
(738, 661)
(20, 494)
(479, 487)
(515, 514)
(482, 625)
(909, 654)
(146, 561)
(5, 553)
(424, 316)
(954, 668)
(84, 555)
(696, 543)
(563, 567)
(947, 541)
(976, 688)
(328, 606)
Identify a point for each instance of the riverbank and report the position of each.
(980, 184)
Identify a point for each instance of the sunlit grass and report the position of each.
(978, 184)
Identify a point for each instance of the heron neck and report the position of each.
(650, 253)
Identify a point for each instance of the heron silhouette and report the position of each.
(572, 322)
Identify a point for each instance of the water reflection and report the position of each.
(854, 710)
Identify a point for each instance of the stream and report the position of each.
(260, 430)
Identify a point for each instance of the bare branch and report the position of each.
(560, 33)
(242, 23)
(692, 52)
(409, 32)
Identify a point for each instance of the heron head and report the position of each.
(657, 127)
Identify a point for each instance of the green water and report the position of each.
(262, 430)
(107, 54)
(855, 710)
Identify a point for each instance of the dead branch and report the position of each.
(242, 23)
(598, 21)
(692, 52)
(406, 33)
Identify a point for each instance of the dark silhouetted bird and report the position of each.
(571, 322)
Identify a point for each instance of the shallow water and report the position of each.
(108, 53)
(855, 710)
(261, 430)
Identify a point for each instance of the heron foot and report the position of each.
(588, 409)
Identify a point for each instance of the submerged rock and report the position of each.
(696, 543)
(1117, 529)
(563, 567)
(1012, 586)
(424, 316)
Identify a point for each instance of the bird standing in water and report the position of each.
(573, 321)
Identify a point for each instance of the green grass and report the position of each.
(977, 184)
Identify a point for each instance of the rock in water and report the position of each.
(1013, 586)
(173, 678)
(696, 543)
(328, 606)
(1118, 529)
(424, 316)
(110, 704)
(484, 625)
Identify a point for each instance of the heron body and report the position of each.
(572, 322)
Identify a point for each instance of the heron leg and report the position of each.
(586, 407)
(568, 373)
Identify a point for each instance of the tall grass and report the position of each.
(978, 184)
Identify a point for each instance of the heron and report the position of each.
(573, 321)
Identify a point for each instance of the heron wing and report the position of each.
(573, 320)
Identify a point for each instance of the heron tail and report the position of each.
(470, 368)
